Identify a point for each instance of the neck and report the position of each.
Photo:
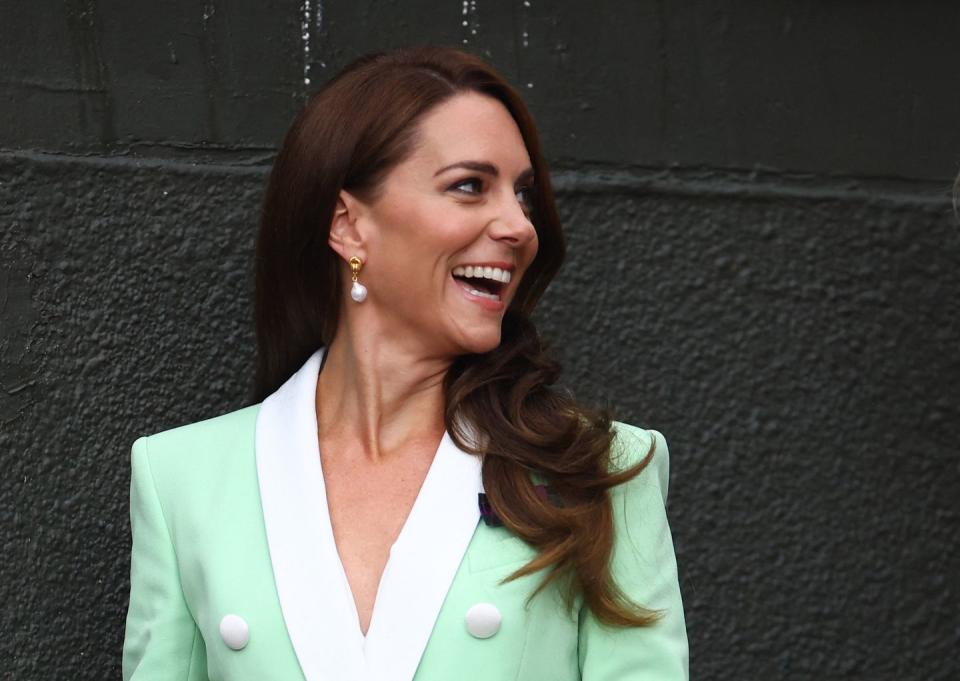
(378, 394)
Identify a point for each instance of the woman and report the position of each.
(411, 499)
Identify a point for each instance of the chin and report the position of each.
(482, 343)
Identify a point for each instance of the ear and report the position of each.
(346, 238)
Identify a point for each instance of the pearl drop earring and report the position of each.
(358, 291)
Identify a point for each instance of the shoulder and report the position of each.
(201, 444)
(217, 429)
(631, 444)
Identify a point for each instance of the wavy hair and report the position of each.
(349, 135)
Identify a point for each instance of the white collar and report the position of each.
(314, 593)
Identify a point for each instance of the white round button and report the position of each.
(483, 620)
(234, 631)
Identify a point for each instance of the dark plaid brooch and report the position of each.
(491, 519)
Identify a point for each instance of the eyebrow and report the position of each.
(483, 167)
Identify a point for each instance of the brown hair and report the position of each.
(348, 136)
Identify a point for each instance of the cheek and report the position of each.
(427, 228)
(530, 252)
(399, 247)
(410, 267)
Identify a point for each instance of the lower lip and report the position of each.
(485, 303)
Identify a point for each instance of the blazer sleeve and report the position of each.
(645, 568)
(161, 640)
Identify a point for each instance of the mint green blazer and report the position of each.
(235, 576)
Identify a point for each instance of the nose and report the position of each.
(512, 225)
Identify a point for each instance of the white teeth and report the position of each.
(482, 294)
(478, 271)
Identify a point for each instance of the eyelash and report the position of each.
(528, 189)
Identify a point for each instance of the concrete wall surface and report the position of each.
(764, 265)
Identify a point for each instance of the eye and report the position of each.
(525, 195)
(469, 181)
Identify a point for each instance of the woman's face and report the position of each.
(449, 239)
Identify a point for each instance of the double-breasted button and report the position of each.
(483, 620)
(234, 631)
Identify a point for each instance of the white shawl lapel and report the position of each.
(315, 597)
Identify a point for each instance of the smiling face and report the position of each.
(447, 241)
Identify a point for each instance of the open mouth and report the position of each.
(486, 282)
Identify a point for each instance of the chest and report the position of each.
(368, 505)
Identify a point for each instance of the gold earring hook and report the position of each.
(356, 264)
